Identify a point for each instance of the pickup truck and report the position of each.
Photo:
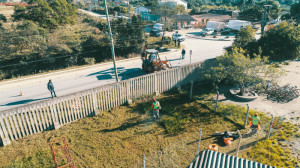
(177, 37)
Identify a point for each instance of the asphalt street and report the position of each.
(103, 74)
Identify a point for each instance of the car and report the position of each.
(158, 26)
(155, 33)
(207, 31)
(177, 37)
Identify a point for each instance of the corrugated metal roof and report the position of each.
(213, 159)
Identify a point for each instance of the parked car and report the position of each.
(177, 37)
(207, 31)
(158, 26)
(155, 33)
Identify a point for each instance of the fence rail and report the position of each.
(51, 114)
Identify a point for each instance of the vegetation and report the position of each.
(196, 10)
(121, 136)
(279, 44)
(244, 36)
(295, 11)
(273, 151)
(240, 69)
(255, 12)
(48, 14)
(27, 47)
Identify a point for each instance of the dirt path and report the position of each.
(291, 110)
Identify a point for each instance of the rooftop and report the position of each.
(213, 159)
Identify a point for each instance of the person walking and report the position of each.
(183, 53)
(255, 120)
(155, 108)
(51, 88)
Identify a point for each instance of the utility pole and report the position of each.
(111, 42)
(264, 22)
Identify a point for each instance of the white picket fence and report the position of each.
(52, 113)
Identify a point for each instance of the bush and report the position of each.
(90, 61)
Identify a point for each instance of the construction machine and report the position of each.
(152, 61)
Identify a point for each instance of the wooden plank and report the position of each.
(60, 112)
(90, 103)
(31, 120)
(67, 107)
(101, 101)
(26, 113)
(4, 130)
(34, 114)
(42, 114)
(19, 118)
(8, 126)
(23, 118)
(12, 125)
(85, 104)
(38, 113)
(2, 134)
(49, 113)
(14, 113)
(66, 110)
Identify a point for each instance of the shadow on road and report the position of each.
(24, 101)
(122, 73)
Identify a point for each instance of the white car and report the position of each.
(177, 37)
(207, 31)
(158, 26)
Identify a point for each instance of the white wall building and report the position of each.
(141, 9)
(173, 3)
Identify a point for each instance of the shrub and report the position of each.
(90, 61)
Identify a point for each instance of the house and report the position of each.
(203, 19)
(140, 10)
(173, 3)
(210, 158)
(183, 21)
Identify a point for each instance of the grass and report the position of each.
(120, 137)
(272, 151)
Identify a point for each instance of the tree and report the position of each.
(295, 11)
(282, 42)
(244, 36)
(2, 19)
(239, 68)
(49, 14)
(180, 10)
(255, 12)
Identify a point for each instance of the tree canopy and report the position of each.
(282, 42)
(240, 69)
(244, 36)
(295, 11)
(48, 14)
(255, 12)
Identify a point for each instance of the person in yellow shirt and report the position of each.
(155, 108)
(255, 123)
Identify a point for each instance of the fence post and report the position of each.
(191, 91)
(55, 115)
(156, 84)
(246, 116)
(239, 143)
(199, 141)
(179, 78)
(144, 161)
(216, 107)
(95, 104)
(271, 123)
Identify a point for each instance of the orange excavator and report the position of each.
(152, 61)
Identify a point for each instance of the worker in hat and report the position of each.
(254, 123)
(155, 108)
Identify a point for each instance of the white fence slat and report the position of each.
(19, 118)
(16, 123)
(31, 120)
(4, 130)
(38, 113)
(8, 126)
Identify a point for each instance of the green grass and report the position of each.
(120, 137)
(272, 151)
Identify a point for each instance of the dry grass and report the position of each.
(120, 138)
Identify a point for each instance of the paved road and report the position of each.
(103, 74)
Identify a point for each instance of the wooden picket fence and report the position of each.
(52, 113)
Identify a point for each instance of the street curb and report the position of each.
(212, 39)
(58, 74)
